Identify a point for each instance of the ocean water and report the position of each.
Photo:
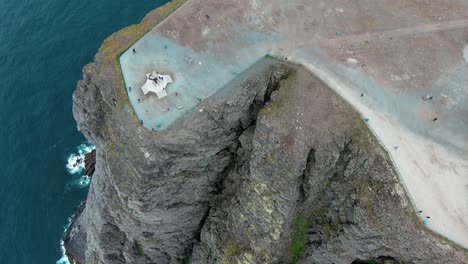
(43, 47)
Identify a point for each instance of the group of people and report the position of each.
(429, 98)
(425, 222)
(425, 98)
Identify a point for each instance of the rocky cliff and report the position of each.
(276, 169)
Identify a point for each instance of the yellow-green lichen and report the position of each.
(283, 93)
(271, 156)
(153, 239)
(246, 258)
(231, 250)
(267, 206)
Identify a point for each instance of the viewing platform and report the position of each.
(156, 83)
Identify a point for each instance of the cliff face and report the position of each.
(275, 169)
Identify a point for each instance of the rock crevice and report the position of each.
(163, 183)
(276, 169)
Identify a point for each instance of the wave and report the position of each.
(75, 165)
(75, 162)
(64, 258)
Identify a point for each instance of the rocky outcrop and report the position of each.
(276, 169)
(311, 184)
(90, 163)
(274, 153)
(154, 190)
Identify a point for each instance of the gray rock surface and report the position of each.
(151, 192)
(225, 185)
(310, 156)
(276, 169)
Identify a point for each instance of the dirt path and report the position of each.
(387, 34)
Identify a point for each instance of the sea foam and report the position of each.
(64, 258)
(75, 164)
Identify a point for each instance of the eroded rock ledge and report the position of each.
(90, 163)
(276, 169)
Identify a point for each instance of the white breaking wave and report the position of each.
(64, 258)
(84, 180)
(75, 165)
(75, 162)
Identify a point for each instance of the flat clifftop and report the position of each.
(394, 53)
(277, 168)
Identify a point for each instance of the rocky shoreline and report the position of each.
(69, 248)
(90, 163)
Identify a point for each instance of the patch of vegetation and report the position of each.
(231, 249)
(331, 228)
(270, 157)
(299, 238)
(153, 239)
(362, 135)
(367, 197)
(139, 249)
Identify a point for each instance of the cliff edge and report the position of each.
(273, 168)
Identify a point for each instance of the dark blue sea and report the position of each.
(43, 47)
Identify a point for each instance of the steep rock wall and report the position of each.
(151, 191)
(311, 184)
(227, 185)
(276, 169)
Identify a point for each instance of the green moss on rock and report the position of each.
(139, 249)
(299, 238)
